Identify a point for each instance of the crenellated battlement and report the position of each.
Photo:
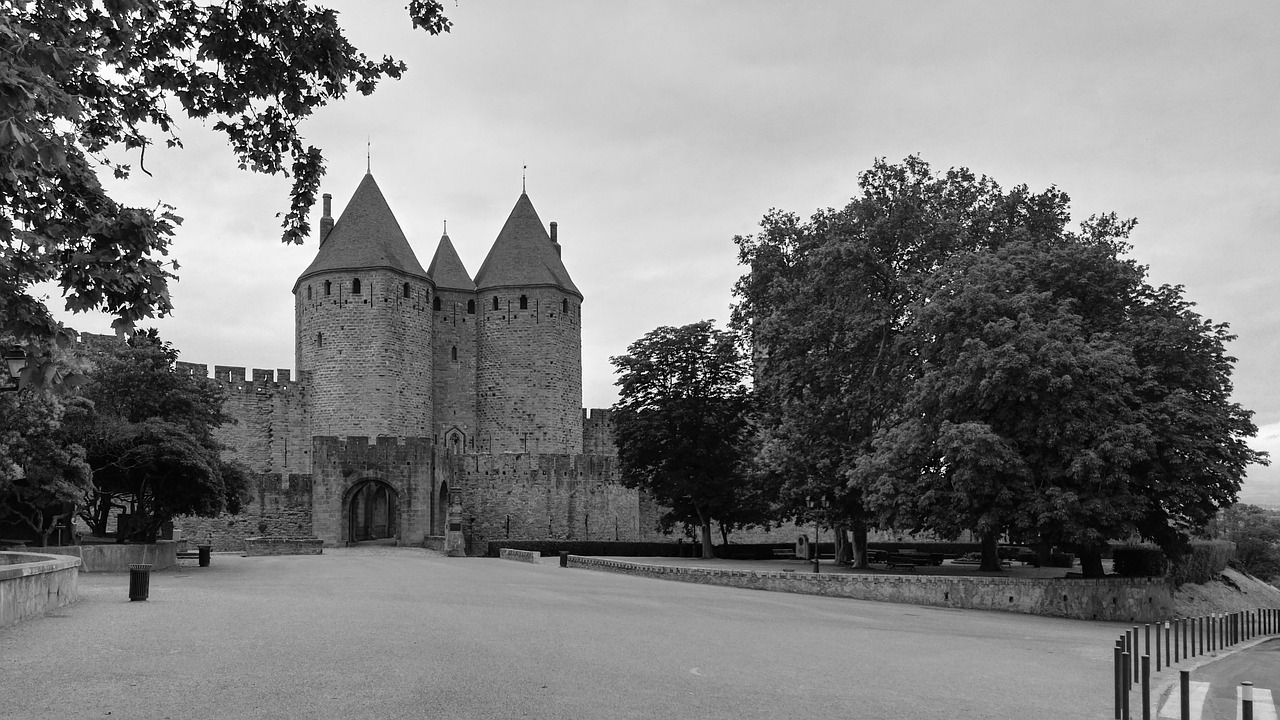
(233, 377)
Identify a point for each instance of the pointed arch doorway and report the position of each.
(372, 511)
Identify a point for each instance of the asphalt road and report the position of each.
(1215, 685)
(392, 633)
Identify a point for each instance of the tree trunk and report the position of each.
(860, 544)
(705, 520)
(724, 534)
(990, 553)
(844, 549)
(1091, 563)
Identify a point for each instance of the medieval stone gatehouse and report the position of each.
(421, 389)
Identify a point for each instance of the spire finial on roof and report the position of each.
(446, 227)
(368, 155)
(523, 173)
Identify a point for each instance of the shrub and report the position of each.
(1139, 561)
(1061, 560)
(1207, 560)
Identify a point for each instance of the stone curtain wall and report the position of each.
(369, 353)
(529, 379)
(597, 432)
(525, 496)
(272, 430)
(279, 507)
(455, 370)
(32, 584)
(1110, 599)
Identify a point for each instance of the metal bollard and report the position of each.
(1146, 687)
(1246, 700)
(1124, 704)
(1168, 639)
(1133, 651)
(205, 550)
(1158, 655)
(1185, 682)
(139, 581)
(1176, 623)
(1118, 676)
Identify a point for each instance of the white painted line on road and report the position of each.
(1264, 707)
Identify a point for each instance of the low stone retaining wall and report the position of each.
(1115, 599)
(257, 546)
(32, 584)
(118, 557)
(529, 556)
(434, 542)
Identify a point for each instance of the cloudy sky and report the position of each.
(654, 131)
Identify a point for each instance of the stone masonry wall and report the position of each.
(280, 506)
(454, 333)
(369, 353)
(529, 378)
(272, 430)
(526, 496)
(597, 432)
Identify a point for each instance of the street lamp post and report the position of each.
(14, 362)
(813, 506)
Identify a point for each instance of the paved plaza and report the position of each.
(400, 633)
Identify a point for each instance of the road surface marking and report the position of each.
(1264, 707)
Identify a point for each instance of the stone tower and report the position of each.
(363, 325)
(454, 333)
(528, 342)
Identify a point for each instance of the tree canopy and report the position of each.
(43, 474)
(945, 355)
(147, 431)
(680, 422)
(84, 82)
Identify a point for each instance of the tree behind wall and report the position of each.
(148, 435)
(680, 423)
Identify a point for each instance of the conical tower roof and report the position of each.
(523, 255)
(365, 237)
(446, 269)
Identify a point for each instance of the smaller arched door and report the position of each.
(372, 511)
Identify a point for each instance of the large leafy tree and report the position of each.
(1059, 398)
(85, 84)
(680, 424)
(43, 475)
(824, 305)
(148, 436)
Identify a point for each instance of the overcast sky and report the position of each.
(656, 131)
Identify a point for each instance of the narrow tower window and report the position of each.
(355, 286)
(319, 339)
(406, 290)
(524, 302)
(308, 292)
(471, 307)
(435, 304)
(328, 287)
(564, 307)
(495, 302)
(455, 353)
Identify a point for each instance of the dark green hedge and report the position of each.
(1206, 561)
(1138, 561)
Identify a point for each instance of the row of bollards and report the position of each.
(140, 574)
(1182, 639)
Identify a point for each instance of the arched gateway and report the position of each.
(372, 508)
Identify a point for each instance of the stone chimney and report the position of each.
(555, 237)
(326, 221)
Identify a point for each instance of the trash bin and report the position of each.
(204, 554)
(564, 558)
(139, 581)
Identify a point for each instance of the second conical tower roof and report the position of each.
(446, 269)
(365, 237)
(523, 255)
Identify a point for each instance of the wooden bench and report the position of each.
(782, 553)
